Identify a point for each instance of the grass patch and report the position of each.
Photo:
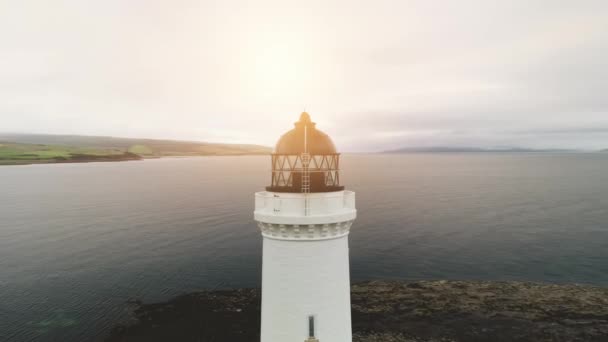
(142, 150)
(13, 153)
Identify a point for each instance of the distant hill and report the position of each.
(442, 149)
(42, 148)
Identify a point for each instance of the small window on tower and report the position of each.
(311, 330)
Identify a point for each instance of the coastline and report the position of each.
(395, 311)
(111, 158)
(26, 149)
(78, 158)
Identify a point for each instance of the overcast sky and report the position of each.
(375, 75)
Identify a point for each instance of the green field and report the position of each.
(18, 149)
(15, 153)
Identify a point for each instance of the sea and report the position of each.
(79, 242)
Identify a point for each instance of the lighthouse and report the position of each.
(305, 217)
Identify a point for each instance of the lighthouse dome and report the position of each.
(305, 137)
(305, 160)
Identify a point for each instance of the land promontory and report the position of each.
(18, 149)
(392, 311)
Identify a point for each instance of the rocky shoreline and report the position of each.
(390, 311)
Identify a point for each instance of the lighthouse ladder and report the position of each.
(305, 180)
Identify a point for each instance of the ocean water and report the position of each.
(77, 241)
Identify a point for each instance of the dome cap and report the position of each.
(305, 137)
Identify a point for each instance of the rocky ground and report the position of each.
(382, 311)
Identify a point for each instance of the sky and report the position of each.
(374, 75)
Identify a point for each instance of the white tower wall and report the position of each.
(305, 269)
(300, 279)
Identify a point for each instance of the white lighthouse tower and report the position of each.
(305, 217)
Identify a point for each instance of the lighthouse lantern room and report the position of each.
(305, 217)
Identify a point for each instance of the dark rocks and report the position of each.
(429, 311)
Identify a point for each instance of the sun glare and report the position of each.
(281, 68)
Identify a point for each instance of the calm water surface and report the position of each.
(77, 241)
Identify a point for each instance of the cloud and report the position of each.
(375, 75)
